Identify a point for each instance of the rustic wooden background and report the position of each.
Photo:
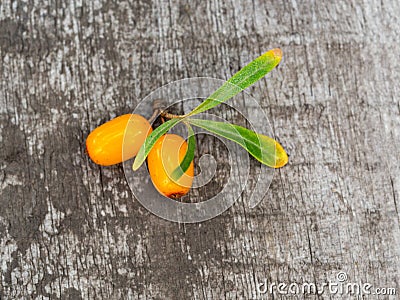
(72, 230)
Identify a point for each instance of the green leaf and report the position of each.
(248, 75)
(189, 156)
(263, 148)
(151, 140)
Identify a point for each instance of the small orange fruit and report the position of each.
(166, 155)
(109, 144)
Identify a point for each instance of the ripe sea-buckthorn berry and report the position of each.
(109, 144)
(166, 155)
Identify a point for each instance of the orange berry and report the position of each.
(109, 144)
(166, 155)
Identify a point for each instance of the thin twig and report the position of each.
(158, 110)
(154, 116)
(170, 116)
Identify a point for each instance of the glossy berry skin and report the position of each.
(166, 155)
(105, 145)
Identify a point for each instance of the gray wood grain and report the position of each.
(72, 230)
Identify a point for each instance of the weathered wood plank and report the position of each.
(69, 229)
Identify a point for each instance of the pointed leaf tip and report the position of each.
(277, 52)
(281, 158)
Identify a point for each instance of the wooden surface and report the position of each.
(72, 230)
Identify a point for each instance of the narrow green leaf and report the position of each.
(151, 140)
(248, 75)
(187, 160)
(263, 148)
